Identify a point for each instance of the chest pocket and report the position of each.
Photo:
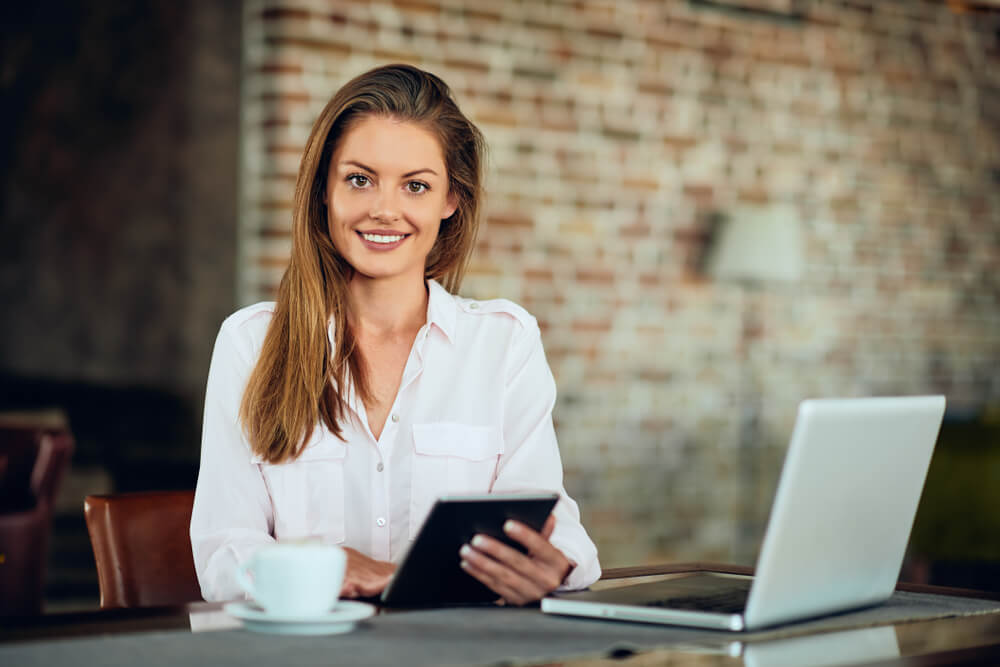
(450, 458)
(307, 494)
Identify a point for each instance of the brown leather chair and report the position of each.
(142, 547)
(32, 463)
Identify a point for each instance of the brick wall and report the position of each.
(618, 132)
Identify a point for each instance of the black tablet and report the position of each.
(431, 573)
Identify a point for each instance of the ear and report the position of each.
(450, 206)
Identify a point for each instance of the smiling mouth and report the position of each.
(386, 239)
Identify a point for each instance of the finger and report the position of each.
(372, 586)
(550, 558)
(518, 574)
(550, 525)
(548, 565)
(510, 567)
(504, 581)
(503, 591)
(540, 575)
(537, 545)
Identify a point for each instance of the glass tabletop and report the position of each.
(960, 640)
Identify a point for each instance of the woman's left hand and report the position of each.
(516, 577)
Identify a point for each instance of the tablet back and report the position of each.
(431, 573)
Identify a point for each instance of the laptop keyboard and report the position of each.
(730, 601)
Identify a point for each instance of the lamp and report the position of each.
(752, 247)
(756, 245)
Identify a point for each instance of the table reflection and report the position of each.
(211, 619)
(833, 648)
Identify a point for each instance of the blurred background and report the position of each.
(715, 208)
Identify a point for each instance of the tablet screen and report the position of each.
(431, 573)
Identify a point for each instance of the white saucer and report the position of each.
(340, 619)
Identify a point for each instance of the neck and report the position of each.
(385, 307)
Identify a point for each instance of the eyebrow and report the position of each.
(370, 170)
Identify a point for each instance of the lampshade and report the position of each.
(757, 244)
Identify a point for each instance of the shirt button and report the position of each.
(380, 467)
(395, 418)
(474, 306)
(380, 522)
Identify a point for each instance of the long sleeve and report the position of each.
(233, 514)
(531, 459)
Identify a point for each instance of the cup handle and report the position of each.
(243, 580)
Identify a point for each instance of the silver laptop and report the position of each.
(838, 529)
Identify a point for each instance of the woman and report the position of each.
(340, 412)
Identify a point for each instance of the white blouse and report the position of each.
(473, 414)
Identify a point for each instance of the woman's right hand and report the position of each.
(364, 576)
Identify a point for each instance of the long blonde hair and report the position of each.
(298, 380)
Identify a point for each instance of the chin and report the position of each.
(371, 272)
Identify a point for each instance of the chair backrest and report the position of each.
(32, 464)
(19, 450)
(142, 546)
(33, 460)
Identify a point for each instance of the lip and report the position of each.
(382, 247)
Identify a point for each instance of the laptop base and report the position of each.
(703, 600)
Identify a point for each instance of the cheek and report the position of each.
(433, 211)
(432, 231)
(341, 212)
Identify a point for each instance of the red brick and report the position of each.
(700, 193)
(467, 66)
(282, 13)
(680, 143)
(655, 375)
(482, 14)
(396, 56)
(754, 196)
(418, 6)
(496, 117)
(647, 279)
(311, 44)
(286, 97)
(275, 233)
(280, 68)
(280, 148)
(591, 326)
(563, 123)
(510, 220)
(596, 276)
(273, 262)
(636, 230)
(641, 184)
(538, 275)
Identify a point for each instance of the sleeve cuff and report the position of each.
(584, 571)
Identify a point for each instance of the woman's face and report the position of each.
(386, 194)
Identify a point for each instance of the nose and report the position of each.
(385, 208)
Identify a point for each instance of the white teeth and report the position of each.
(379, 238)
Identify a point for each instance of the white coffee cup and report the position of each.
(294, 579)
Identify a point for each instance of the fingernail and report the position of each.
(478, 541)
(509, 527)
(465, 551)
(464, 564)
